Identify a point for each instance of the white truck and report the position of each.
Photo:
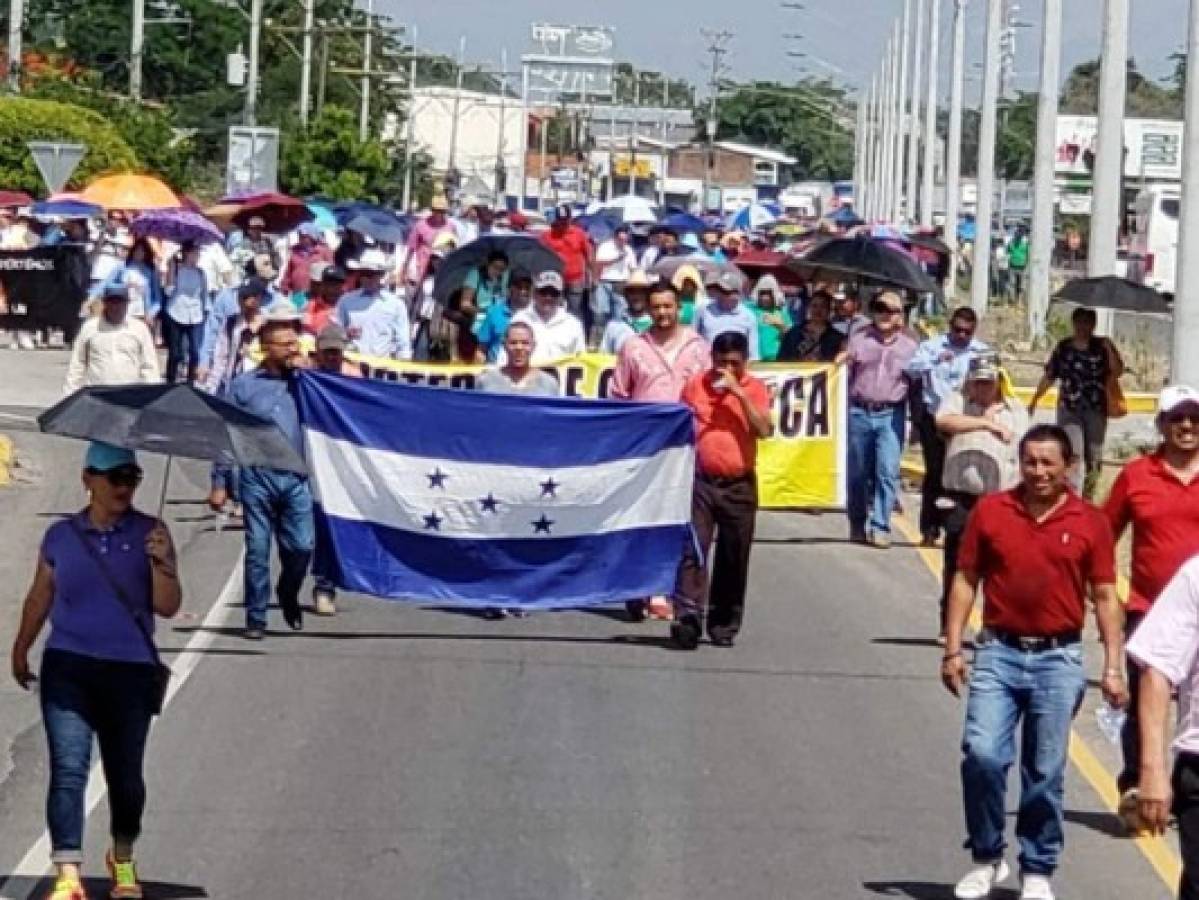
(1153, 247)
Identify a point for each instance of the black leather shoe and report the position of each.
(294, 617)
(636, 610)
(686, 633)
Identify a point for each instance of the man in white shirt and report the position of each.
(113, 347)
(616, 258)
(557, 332)
(375, 319)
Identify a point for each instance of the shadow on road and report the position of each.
(1103, 822)
(99, 887)
(914, 642)
(926, 890)
(635, 640)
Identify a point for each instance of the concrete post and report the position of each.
(1041, 249)
(980, 287)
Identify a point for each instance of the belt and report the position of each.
(874, 407)
(1029, 644)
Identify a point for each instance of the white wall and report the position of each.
(479, 123)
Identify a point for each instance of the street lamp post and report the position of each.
(980, 286)
(251, 110)
(1106, 200)
(1041, 250)
(901, 111)
(914, 116)
(1184, 361)
(953, 144)
(930, 116)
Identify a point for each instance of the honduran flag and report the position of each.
(460, 498)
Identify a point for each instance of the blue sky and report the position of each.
(847, 35)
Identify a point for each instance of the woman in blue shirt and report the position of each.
(186, 308)
(102, 576)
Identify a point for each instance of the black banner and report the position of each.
(43, 287)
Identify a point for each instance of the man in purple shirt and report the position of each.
(878, 390)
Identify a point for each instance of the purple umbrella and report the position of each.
(178, 225)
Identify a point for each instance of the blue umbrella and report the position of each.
(685, 223)
(753, 217)
(66, 209)
(600, 226)
(380, 225)
(324, 218)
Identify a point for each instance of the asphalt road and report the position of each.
(401, 752)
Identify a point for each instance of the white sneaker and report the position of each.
(980, 881)
(1035, 887)
(325, 601)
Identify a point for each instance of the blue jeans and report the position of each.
(1040, 693)
(183, 346)
(82, 697)
(275, 503)
(875, 447)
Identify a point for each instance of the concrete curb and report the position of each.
(8, 459)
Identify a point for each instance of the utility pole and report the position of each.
(980, 286)
(500, 169)
(901, 121)
(876, 151)
(322, 79)
(1184, 361)
(953, 143)
(887, 152)
(364, 111)
(865, 203)
(251, 110)
(1041, 249)
(914, 117)
(457, 106)
(137, 42)
(410, 127)
(306, 61)
(859, 147)
(894, 173)
(1107, 204)
(522, 172)
(718, 48)
(16, 22)
(929, 167)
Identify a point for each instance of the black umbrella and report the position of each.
(928, 242)
(1112, 292)
(864, 259)
(524, 252)
(177, 420)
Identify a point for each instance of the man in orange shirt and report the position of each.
(732, 412)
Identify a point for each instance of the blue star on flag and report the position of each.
(433, 522)
(549, 487)
(542, 525)
(489, 503)
(437, 478)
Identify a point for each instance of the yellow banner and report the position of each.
(802, 467)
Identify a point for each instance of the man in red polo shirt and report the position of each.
(1158, 495)
(1037, 548)
(573, 247)
(732, 411)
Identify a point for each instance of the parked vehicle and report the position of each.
(1153, 247)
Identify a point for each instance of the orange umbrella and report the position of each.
(133, 192)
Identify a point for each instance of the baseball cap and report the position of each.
(283, 311)
(1176, 396)
(724, 281)
(889, 299)
(103, 457)
(252, 287)
(115, 292)
(549, 281)
(332, 337)
(984, 367)
(333, 273)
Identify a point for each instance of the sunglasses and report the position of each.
(125, 476)
(887, 311)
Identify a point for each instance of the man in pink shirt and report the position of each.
(653, 368)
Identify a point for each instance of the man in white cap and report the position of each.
(726, 311)
(1158, 495)
(376, 320)
(113, 347)
(558, 333)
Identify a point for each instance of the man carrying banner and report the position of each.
(732, 412)
(275, 501)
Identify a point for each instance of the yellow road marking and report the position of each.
(7, 460)
(1156, 850)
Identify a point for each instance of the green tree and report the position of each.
(811, 120)
(23, 120)
(1015, 148)
(328, 159)
(1145, 98)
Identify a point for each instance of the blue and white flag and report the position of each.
(460, 498)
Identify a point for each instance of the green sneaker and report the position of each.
(124, 879)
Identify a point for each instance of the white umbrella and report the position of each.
(632, 209)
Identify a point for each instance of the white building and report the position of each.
(487, 137)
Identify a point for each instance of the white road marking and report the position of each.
(15, 418)
(35, 864)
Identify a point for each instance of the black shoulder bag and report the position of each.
(162, 672)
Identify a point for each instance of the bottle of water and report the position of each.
(1111, 721)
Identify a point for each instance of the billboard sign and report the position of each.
(1074, 150)
(253, 161)
(1152, 148)
(570, 61)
